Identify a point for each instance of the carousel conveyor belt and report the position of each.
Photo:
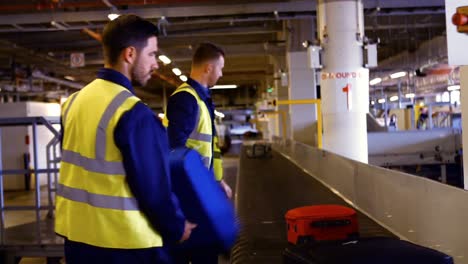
(266, 189)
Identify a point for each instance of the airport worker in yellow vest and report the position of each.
(190, 118)
(114, 198)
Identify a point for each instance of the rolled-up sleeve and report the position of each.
(142, 140)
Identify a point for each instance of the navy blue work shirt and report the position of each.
(142, 140)
(182, 111)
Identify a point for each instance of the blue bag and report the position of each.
(203, 202)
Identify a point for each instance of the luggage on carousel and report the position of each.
(378, 250)
(203, 202)
(258, 150)
(321, 223)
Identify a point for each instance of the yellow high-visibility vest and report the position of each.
(94, 203)
(201, 139)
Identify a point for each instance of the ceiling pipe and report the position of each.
(40, 75)
(95, 4)
(108, 4)
(93, 34)
(387, 9)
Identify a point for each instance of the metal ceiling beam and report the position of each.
(225, 30)
(40, 75)
(200, 11)
(402, 3)
(17, 28)
(401, 12)
(157, 12)
(19, 51)
(405, 26)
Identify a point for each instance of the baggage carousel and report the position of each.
(267, 187)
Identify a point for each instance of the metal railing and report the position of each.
(50, 171)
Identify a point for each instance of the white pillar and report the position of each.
(464, 108)
(344, 82)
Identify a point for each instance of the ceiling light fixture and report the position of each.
(410, 95)
(398, 75)
(183, 78)
(393, 98)
(164, 59)
(176, 71)
(226, 86)
(113, 16)
(114, 12)
(381, 100)
(375, 81)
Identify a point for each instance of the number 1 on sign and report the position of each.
(347, 90)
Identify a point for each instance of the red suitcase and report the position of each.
(321, 223)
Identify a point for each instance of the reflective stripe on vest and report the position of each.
(104, 122)
(94, 165)
(72, 98)
(97, 200)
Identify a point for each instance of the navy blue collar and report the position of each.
(115, 77)
(201, 90)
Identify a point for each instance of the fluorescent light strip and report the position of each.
(381, 100)
(164, 59)
(176, 71)
(410, 95)
(375, 81)
(226, 86)
(183, 78)
(397, 75)
(393, 98)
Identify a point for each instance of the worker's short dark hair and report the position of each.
(207, 52)
(126, 31)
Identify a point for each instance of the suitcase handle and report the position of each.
(330, 223)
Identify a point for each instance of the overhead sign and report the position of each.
(457, 31)
(77, 60)
(345, 91)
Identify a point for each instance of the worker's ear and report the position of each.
(208, 68)
(129, 54)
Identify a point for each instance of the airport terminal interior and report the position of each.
(346, 102)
